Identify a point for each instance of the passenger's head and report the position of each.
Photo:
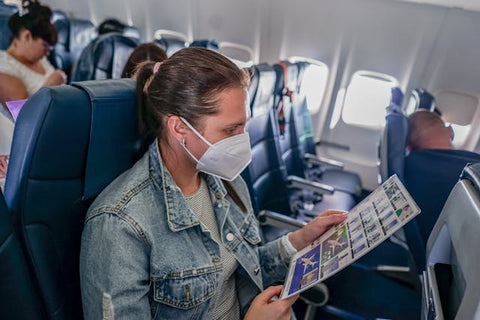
(144, 52)
(428, 131)
(111, 25)
(196, 84)
(32, 31)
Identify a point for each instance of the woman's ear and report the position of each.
(177, 128)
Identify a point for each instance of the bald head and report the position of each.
(428, 131)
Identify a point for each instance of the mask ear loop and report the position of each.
(188, 151)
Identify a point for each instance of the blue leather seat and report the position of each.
(6, 7)
(392, 147)
(104, 58)
(319, 169)
(69, 143)
(429, 184)
(73, 36)
(171, 44)
(18, 295)
(5, 33)
(211, 44)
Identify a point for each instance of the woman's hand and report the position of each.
(315, 228)
(263, 308)
(57, 77)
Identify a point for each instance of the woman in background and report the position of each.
(24, 67)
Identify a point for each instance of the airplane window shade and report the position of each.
(314, 83)
(367, 96)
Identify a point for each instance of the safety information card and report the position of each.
(369, 223)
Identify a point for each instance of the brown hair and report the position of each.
(188, 85)
(35, 18)
(144, 52)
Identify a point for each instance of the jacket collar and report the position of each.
(179, 214)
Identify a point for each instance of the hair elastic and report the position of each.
(156, 67)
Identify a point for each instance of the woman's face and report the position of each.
(231, 119)
(34, 48)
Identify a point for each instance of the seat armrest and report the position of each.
(294, 182)
(315, 160)
(271, 218)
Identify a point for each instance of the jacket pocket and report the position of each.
(184, 290)
(250, 230)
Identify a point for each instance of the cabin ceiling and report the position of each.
(473, 5)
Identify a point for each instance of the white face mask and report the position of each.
(225, 159)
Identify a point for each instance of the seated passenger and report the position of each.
(175, 237)
(24, 67)
(428, 131)
(144, 52)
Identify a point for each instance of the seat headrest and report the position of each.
(252, 88)
(5, 33)
(82, 32)
(266, 86)
(471, 172)
(114, 142)
(171, 45)
(425, 100)
(132, 32)
(58, 15)
(86, 132)
(211, 44)
(397, 96)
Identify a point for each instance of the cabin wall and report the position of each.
(421, 45)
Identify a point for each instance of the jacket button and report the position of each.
(257, 270)
(230, 237)
(215, 260)
(219, 205)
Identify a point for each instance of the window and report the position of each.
(460, 134)
(366, 98)
(313, 82)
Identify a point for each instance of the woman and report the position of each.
(23, 66)
(144, 52)
(175, 236)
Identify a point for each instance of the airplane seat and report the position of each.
(69, 143)
(318, 168)
(424, 99)
(132, 32)
(104, 57)
(171, 45)
(429, 184)
(453, 255)
(7, 7)
(59, 15)
(265, 176)
(73, 36)
(211, 44)
(305, 200)
(393, 143)
(18, 296)
(5, 33)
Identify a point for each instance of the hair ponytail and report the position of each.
(148, 120)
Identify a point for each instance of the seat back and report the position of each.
(69, 143)
(18, 297)
(285, 95)
(73, 36)
(392, 146)
(104, 58)
(265, 175)
(453, 254)
(6, 7)
(211, 44)
(5, 33)
(429, 184)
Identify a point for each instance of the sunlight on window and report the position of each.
(314, 83)
(460, 134)
(367, 96)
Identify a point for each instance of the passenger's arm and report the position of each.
(114, 264)
(275, 265)
(11, 88)
(57, 78)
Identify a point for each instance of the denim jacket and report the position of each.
(144, 254)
